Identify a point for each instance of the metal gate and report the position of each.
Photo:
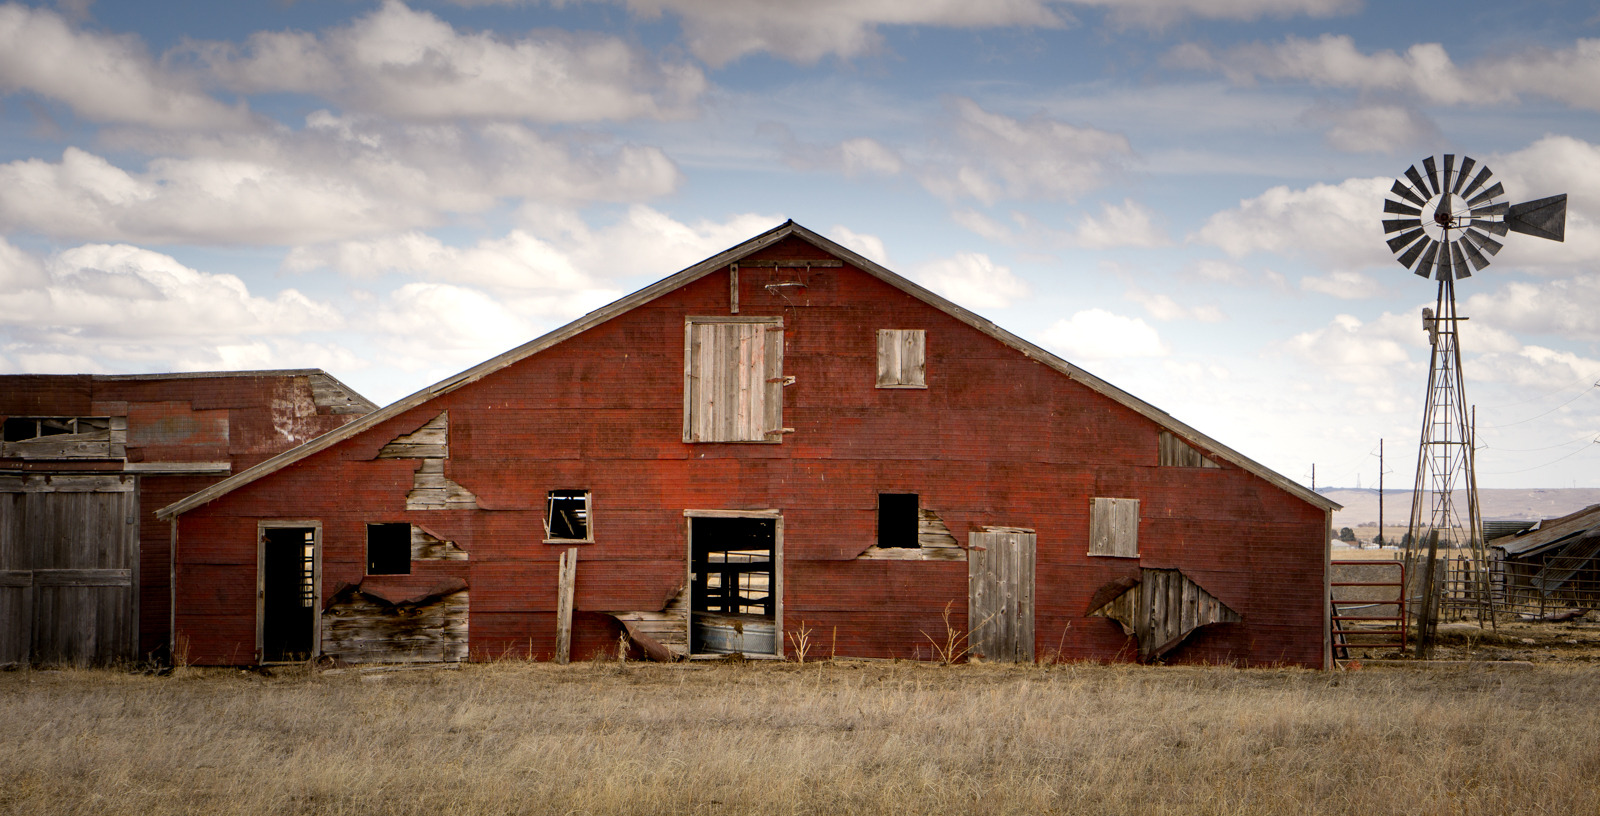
(69, 552)
(1000, 594)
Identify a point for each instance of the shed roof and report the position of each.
(717, 262)
(1550, 533)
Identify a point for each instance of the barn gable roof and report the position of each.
(713, 264)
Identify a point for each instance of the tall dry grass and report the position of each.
(818, 738)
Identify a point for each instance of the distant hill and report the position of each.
(1361, 505)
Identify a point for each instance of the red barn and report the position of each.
(784, 444)
(85, 459)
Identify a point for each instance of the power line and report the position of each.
(1551, 411)
(1537, 467)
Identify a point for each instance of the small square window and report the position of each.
(566, 516)
(902, 358)
(898, 515)
(388, 549)
(1114, 528)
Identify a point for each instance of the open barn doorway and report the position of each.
(735, 583)
(287, 595)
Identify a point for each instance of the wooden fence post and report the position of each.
(566, 583)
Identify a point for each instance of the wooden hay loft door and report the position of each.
(1000, 594)
(735, 583)
(288, 601)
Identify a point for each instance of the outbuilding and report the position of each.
(783, 448)
(84, 462)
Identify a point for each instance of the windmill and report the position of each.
(1444, 226)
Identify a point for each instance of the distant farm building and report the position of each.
(1549, 568)
(84, 462)
(784, 443)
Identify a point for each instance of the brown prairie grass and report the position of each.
(829, 737)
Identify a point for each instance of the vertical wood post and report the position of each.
(1428, 619)
(565, 583)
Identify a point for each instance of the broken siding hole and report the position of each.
(1161, 609)
(902, 358)
(426, 546)
(1114, 528)
(1174, 452)
(667, 627)
(567, 516)
(389, 549)
(934, 543)
(374, 623)
(101, 437)
(430, 488)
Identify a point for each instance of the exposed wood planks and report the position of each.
(336, 397)
(934, 543)
(902, 358)
(1163, 609)
(1114, 527)
(733, 379)
(566, 585)
(68, 554)
(1000, 589)
(425, 546)
(1174, 452)
(361, 629)
(431, 489)
(669, 626)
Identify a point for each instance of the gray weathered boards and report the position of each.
(69, 553)
(1000, 594)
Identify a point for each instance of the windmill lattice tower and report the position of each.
(1445, 230)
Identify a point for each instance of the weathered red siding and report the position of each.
(174, 420)
(997, 438)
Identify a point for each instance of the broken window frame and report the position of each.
(896, 539)
(1114, 528)
(388, 565)
(715, 418)
(902, 358)
(587, 517)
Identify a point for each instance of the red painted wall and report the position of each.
(241, 420)
(996, 439)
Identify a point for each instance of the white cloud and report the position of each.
(104, 78)
(101, 307)
(721, 32)
(339, 177)
(1425, 71)
(1164, 307)
(432, 325)
(1096, 334)
(1533, 367)
(1158, 13)
(1565, 308)
(1335, 226)
(972, 280)
(410, 64)
(853, 158)
(1375, 128)
(1346, 350)
(556, 266)
(1344, 284)
(1127, 225)
(870, 246)
(999, 156)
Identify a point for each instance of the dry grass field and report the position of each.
(844, 737)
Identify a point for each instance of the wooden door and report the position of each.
(69, 552)
(1000, 594)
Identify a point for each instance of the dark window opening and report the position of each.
(388, 549)
(897, 520)
(732, 565)
(567, 516)
(20, 429)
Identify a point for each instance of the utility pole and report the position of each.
(1380, 492)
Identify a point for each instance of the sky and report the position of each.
(1183, 197)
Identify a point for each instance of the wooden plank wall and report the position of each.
(1000, 570)
(68, 569)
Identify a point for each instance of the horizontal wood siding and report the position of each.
(604, 411)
